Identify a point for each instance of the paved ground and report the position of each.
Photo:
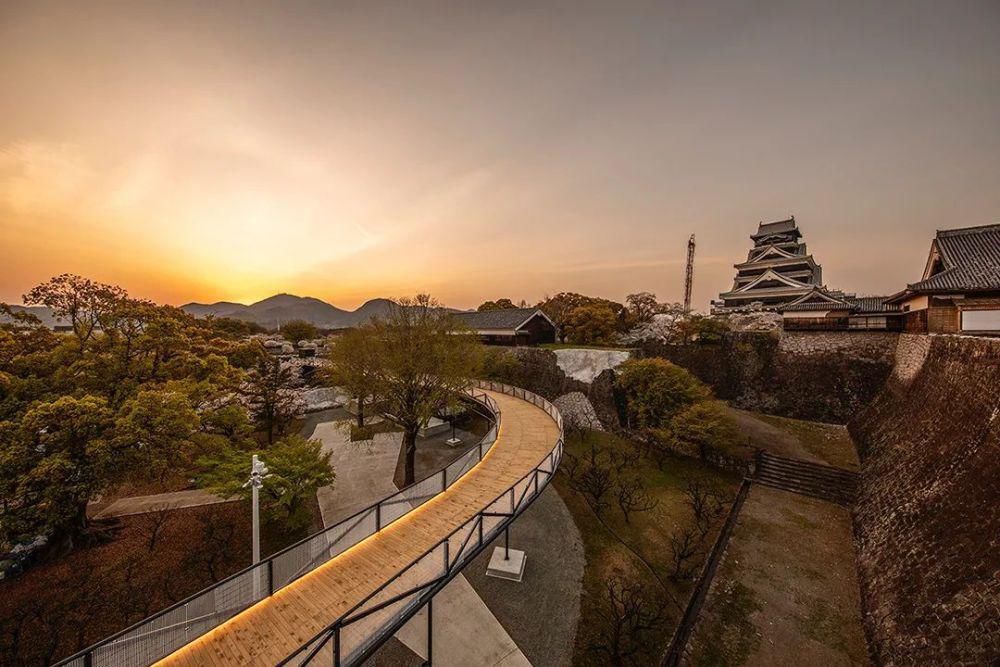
(550, 591)
(786, 592)
(795, 438)
(160, 501)
(467, 632)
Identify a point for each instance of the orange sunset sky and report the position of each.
(211, 151)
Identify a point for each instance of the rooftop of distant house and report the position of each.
(507, 319)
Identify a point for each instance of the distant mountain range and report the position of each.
(280, 308)
(270, 313)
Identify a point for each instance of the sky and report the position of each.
(205, 151)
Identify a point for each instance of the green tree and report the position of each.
(704, 427)
(296, 331)
(269, 396)
(642, 306)
(158, 426)
(85, 302)
(592, 324)
(423, 360)
(655, 390)
(296, 469)
(354, 365)
(499, 304)
(64, 458)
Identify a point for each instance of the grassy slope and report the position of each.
(648, 535)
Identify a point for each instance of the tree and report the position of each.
(705, 501)
(559, 307)
(630, 623)
(296, 331)
(685, 544)
(85, 302)
(592, 324)
(66, 458)
(499, 304)
(655, 390)
(423, 359)
(157, 425)
(704, 427)
(633, 497)
(354, 366)
(642, 306)
(269, 396)
(297, 468)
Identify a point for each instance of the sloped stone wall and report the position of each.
(927, 519)
(823, 375)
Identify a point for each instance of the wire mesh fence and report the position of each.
(166, 631)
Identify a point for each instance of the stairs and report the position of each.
(835, 485)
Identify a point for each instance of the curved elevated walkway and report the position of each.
(278, 626)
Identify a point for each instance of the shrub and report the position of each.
(704, 428)
(655, 390)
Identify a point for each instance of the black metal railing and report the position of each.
(355, 635)
(164, 632)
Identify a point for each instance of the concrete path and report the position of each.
(160, 501)
(466, 632)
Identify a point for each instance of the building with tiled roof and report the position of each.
(510, 326)
(960, 287)
(778, 270)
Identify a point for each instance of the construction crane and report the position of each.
(689, 275)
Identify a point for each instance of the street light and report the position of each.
(258, 473)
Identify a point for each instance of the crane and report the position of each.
(689, 275)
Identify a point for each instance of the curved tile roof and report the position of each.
(971, 258)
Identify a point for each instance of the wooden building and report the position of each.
(829, 310)
(778, 270)
(959, 291)
(512, 326)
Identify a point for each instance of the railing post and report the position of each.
(270, 576)
(444, 479)
(447, 555)
(88, 659)
(336, 646)
(536, 481)
(480, 529)
(430, 632)
(378, 516)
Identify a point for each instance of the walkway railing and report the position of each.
(166, 631)
(356, 635)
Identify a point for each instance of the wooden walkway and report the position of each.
(275, 627)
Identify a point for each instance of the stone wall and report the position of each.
(822, 375)
(927, 519)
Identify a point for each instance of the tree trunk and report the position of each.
(405, 474)
(361, 411)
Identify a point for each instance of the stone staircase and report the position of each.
(810, 479)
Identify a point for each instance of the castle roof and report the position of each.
(969, 261)
(765, 229)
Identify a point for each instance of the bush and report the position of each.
(704, 428)
(655, 391)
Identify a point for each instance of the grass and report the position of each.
(640, 549)
(734, 637)
(828, 442)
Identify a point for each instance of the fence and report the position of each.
(355, 635)
(166, 631)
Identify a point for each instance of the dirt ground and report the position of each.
(786, 592)
(796, 438)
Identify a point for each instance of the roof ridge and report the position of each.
(966, 230)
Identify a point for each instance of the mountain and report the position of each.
(274, 310)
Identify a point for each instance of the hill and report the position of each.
(274, 310)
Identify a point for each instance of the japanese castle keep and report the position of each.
(778, 270)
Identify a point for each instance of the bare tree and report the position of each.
(633, 497)
(594, 479)
(705, 500)
(153, 523)
(630, 622)
(684, 546)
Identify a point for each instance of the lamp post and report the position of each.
(258, 472)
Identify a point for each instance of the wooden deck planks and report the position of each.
(276, 626)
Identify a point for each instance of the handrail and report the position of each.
(423, 590)
(257, 582)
